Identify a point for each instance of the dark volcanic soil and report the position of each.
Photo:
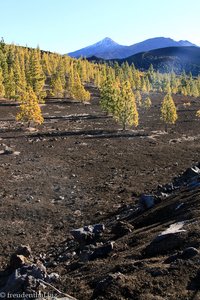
(79, 168)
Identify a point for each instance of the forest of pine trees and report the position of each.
(30, 75)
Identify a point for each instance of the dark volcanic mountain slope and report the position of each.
(168, 59)
(153, 247)
(108, 49)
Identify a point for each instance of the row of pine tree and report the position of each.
(30, 75)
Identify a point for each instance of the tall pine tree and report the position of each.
(168, 111)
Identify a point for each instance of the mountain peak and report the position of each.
(185, 43)
(106, 41)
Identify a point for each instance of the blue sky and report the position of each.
(66, 25)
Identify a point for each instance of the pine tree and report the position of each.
(143, 85)
(56, 86)
(168, 110)
(10, 56)
(2, 89)
(19, 78)
(108, 96)
(147, 103)
(97, 79)
(148, 85)
(4, 66)
(82, 70)
(70, 81)
(137, 80)
(36, 75)
(45, 64)
(194, 89)
(2, 45)
(77, 90)
(166, 86)
(183, 91)
(10, 85)
(116, 68)
(138, 98)
(29, 108)
(126, 110)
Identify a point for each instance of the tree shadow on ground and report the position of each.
(78, 117)
(84, 133)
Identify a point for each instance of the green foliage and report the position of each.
(79, 92)
(56, 86)
(2, 89)
(109, 94)
(76, 88)
(10, 85)
(36, 76)
(147, 103)
(29, 108)
(126, 111)
(138, 98)
(168, 110)
(118, 99)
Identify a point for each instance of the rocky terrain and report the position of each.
(104, 214)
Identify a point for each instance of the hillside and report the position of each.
(165, 60)
(108, 49)
(169, 59)
(80, 169)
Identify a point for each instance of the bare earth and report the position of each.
(79, 168)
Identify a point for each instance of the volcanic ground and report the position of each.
(79, 168)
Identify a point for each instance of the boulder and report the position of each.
(169, 242)
(172, 238)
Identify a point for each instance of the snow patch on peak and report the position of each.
(107, 42)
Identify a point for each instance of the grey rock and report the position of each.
(17, 261)
(189, 253)
(87, 234)
(157, 272)
(147, 201)
(106, 282)
(53, 277)
(14, 284)
(93, 252)
(166, 243)
(8, 150)
(171, 259)
(191, 172)
(24, 250)
(102, 251)
(121, 228)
